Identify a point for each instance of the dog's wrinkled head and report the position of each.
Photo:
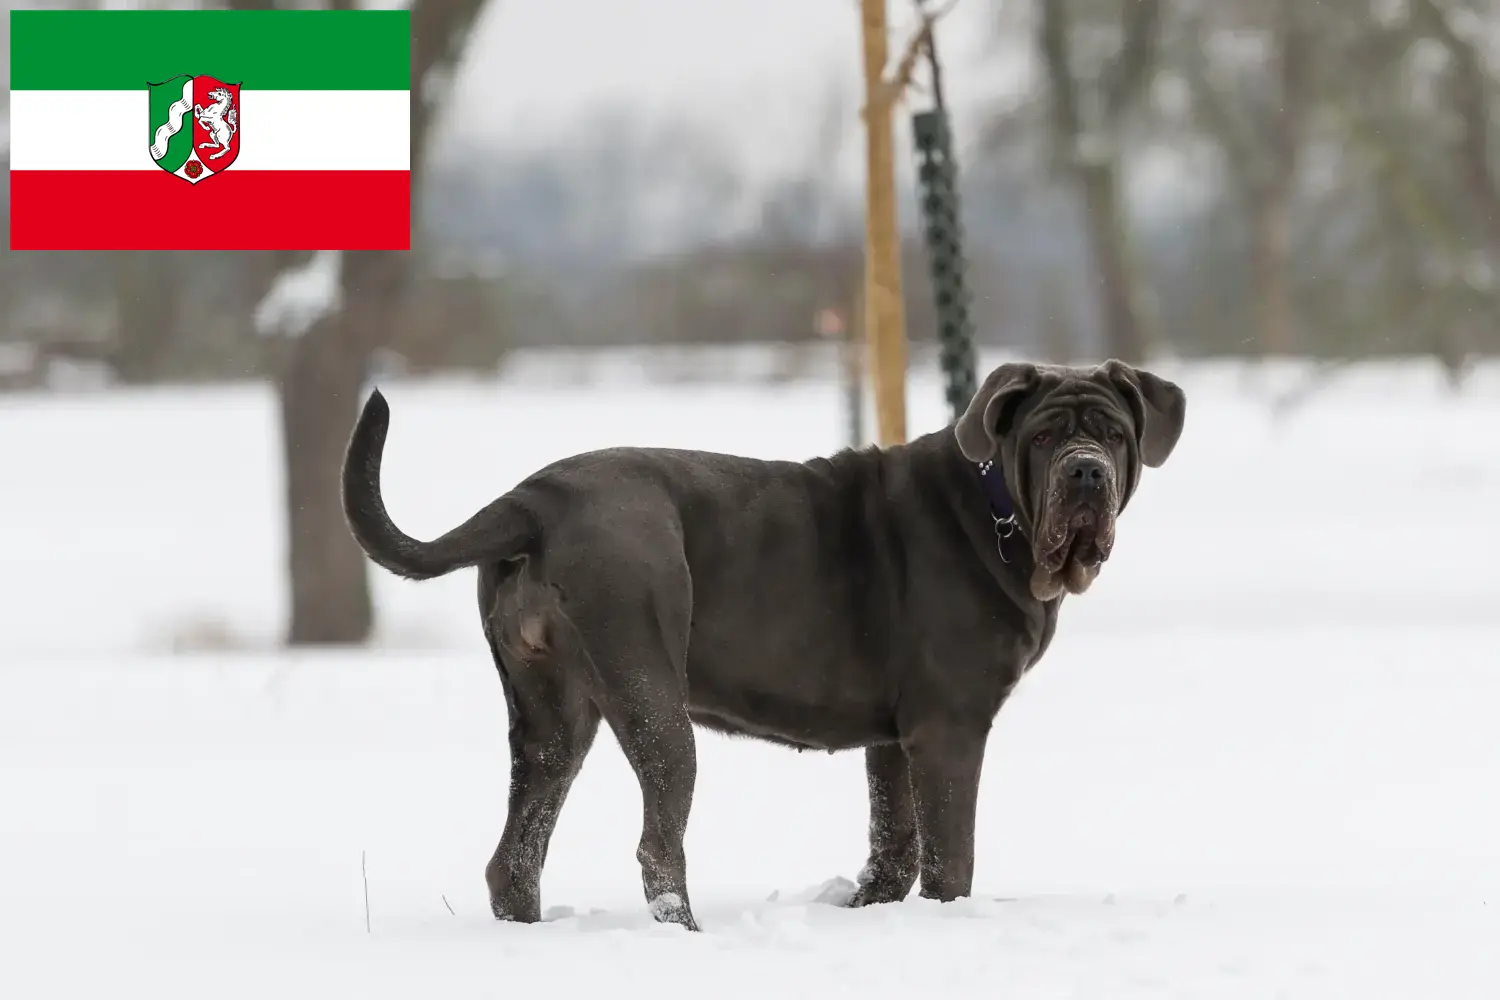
(1071, 442)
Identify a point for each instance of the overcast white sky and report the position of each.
(756, 71)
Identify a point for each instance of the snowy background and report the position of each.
(1259, 761)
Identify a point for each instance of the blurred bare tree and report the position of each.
(1335, 189)
(1218, 176)
(1221, 177)
(1247, 66)
(324, 368)
(1098, 59)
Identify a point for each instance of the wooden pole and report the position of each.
(884, 315)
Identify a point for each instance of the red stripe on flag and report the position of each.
(238, 210)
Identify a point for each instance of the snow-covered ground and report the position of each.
(1260, 760)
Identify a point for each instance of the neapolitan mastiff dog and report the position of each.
(884, 600)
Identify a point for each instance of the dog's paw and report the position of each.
(670, 908)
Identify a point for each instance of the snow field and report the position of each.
(1259, 760)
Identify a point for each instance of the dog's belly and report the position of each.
(787, 644)
(816, 716)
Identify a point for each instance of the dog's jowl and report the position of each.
(880, 600)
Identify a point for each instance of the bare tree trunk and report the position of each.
(1090, 150)
(1270, 196)
(1110, 251)
(330, 589)
(146, 312)
(1469, 93)
(1271, 250)
(1469, 90)
(1059, 340)
(322, 379)
(320, 397)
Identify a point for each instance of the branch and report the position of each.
(1225, 118)
(1413, 200)
(1294, 47)
(1053, 31)
(1128, 74)
(440, 29)
(892, 87)
(1472, 105)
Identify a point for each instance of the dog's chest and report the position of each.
(1044, 637)
(972, 671)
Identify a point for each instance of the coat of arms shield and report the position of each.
(195, 126)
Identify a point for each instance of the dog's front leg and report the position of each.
(945, 762)
(891, 871)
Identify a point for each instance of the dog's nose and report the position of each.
(1085, 472)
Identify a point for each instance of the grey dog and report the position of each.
(883, 599)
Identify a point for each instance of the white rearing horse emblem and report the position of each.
(219, 119)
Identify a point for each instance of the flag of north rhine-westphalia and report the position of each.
(210, 130)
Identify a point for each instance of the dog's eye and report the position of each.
(1041, 439)
(1114, 435)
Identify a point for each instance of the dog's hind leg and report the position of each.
(552, 726)
(635, 631)
(663, 752)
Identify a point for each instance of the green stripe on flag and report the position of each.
(263, 50)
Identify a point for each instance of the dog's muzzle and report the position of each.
(1077, 524)
(1084, 538)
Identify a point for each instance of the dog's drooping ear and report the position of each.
(1158, 406)
(986, 420)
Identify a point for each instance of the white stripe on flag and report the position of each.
(284, 130)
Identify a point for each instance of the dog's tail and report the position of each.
(500, 531)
